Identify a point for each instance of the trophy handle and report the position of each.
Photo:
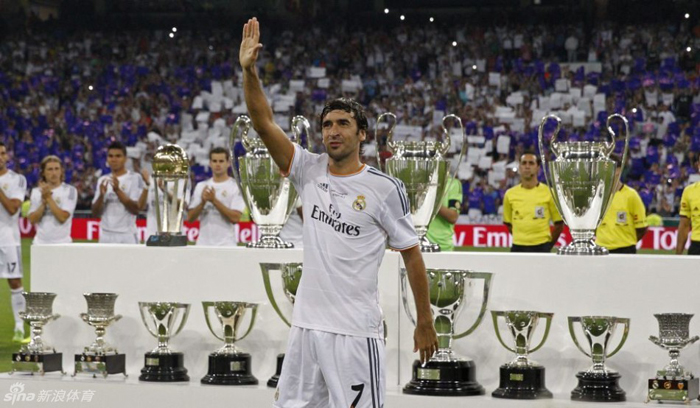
(252, 321)
(458, 120)
(572, 320)
(486, 276)
(243, 122)
(548, 318)
(208, 306)
(390, 139)
(265, 269)
(626, 322)
(296, 132)
(495, 315)
(655, 340)
(404, 295)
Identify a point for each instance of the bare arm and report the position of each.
(11, 205)
(233, 216)
(99, 205)
(60, 214)
(556, 231)
(449, 214)
(424, 337)
(130, 205)
(640, 233)
(280, 147)
(35, 217)
(682, 237)
(509, 226)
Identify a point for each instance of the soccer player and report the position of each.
(13, 188)
(528, 209)
(117, 199)
(217, 202)
(625, 222)
(690, 219)
(52, 204)
(442, 229)
(335, 353)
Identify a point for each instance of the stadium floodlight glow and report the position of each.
(172, 35)
(432, 19)
(174, 29)
(90, 87)
(454, 43)
(386, 11)
(474, 67)
(687, 16)
(211, 48)
(688, 49)
(402, 17)
(634, 110)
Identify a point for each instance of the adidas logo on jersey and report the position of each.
(333, 220)
(323, 186)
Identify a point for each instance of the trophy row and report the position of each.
(445, 374)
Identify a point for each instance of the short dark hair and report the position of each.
(532, 152)
(117, 146)
(219, 150)
(2, 144)
(347, 105)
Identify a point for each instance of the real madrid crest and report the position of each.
(359, 204)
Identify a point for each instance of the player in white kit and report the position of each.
(335, 353)
(13, 188)
(117, 199)
(52, 204)
(217, 202)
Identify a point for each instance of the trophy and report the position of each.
(229, 365)
(673, 383)
(161, 319)
(100, 357)
(425, 171)
(291, 276)
(582, 181)
(171, 173)
(37, 356)
(598, 384)
(522, 378)
(445, 373)
(269, 195)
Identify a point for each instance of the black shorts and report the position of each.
(546, 247)
(694, 248)
(632, 249)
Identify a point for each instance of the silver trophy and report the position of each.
(164, 320)
(424, 169)
(674, 382)
(38, 356)
(598, 383)
(582, 181)
(171, 173)
(446, 373)
(100, 357)
(229, 365)
(269, 195)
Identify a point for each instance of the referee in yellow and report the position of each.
(528, 209)
(625, 222)
(690, 219)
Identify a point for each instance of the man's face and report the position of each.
(3, 158)
(116, 159)
(52, 173)
(219, 164)
(341, 135)
(528, 167)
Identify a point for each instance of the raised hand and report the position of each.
(250, 44)
(103, 187)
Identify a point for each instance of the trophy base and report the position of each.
(37, 363)
(229, 370)
(522, 383)
(427, 246)
(164, 368)
(167, 240)
(587, 248)
(270, 242)
(684, 390)
(100, 364)
(272, 382)
(444, 378)
(598, 387)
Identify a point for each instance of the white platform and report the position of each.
(625, 286)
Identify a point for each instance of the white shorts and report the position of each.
(323, 370)
(11, 262)
(107, 237)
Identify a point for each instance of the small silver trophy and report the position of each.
(229, 365)
(582, 181)
(37, 356)
(674, 382)
(164, 320)
(598, 383)
(100, 357)
(171, 173)
(446, 373)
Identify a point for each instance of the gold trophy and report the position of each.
(171, 173)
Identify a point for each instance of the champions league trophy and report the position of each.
(425, 171)
(598, 384)
(229, 365)
(445, 373)
(171, 173)
(291, 276)
(37, 356)
(161, 319)
(100, 357)
(269, 195)
(582, 181)
(522, 378)
(673, 383)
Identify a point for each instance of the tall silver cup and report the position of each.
(100, 357)
(171, 173)
(38, 356)
(164, 320)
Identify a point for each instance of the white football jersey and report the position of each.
(214, 229)
(15, 187)
(348, 221)
(49, 230)
(115, 217)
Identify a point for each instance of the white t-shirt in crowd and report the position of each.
(214, 229)
(15, 187)
(115, 217)
(49, 230)
(347, 223)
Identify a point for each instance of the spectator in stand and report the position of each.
(442, 229)
(52, 204)
(690, 219)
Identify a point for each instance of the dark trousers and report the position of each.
(546, 247)
(632, 249)
(694, 248)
